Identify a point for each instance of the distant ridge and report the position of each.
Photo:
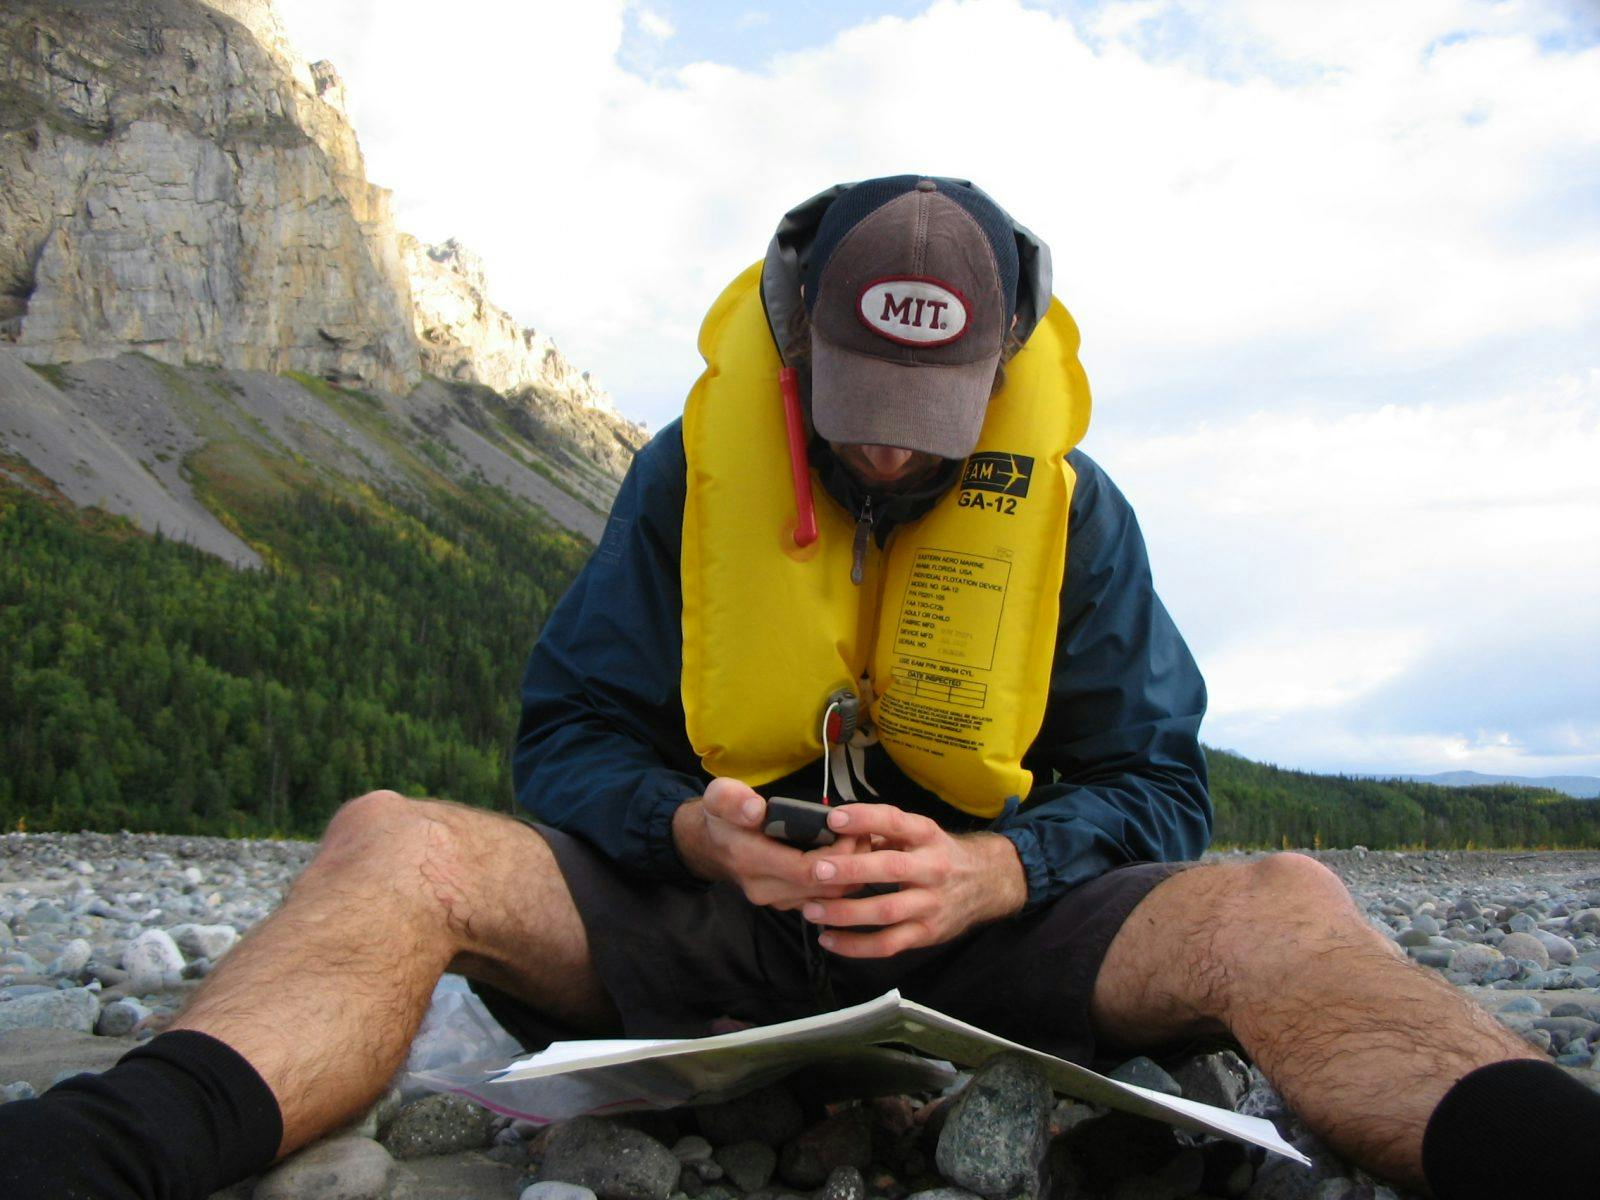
(1257, 804)
(1581, 787)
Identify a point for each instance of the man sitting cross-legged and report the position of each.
(961, 631)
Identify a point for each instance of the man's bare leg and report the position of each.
(324, 997)
(1361, 1043)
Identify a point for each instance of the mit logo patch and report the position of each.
(913, 310)
(998, 471)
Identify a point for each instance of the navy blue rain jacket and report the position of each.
(1119, 775)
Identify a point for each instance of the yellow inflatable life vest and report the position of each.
(949, 638)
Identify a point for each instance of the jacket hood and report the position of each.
(787, 259)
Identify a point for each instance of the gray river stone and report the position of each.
(615, 1162)
(1524, 946)
(993, 1141)
(1521, 1005)
(152, 961)
(1219, 1079)
(844, 1183)
(343, 1168)
(843, 1140)
(1437, 957)
(74, 957)
(691, 1149)
(118, 1018)
(1476, 962)
(1587, 921)
(1561, 952)
(440, 1124)
(552, 1190)
(769, 1114)
(1564, 1029)
(1146, 1073)
(70, 1008)
(44, 915)
(204, 941)
(749, 1164)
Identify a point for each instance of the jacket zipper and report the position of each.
(862, 547)
(858, 552)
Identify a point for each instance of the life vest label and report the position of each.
(944, 652)
(951, 609)
(997, 471)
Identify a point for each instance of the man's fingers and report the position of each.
(756, 856)
(881, 944)
(842, 845)
(731, 801)
(890, 909)
(881, 866)
(897, 826)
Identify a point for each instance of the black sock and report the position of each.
(175, 1119)
(1515, 1128)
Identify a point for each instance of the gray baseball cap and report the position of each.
(911, 286)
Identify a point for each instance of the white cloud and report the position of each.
(1365, 217)
(1295, 670)
(653, 23)
(1401, 577)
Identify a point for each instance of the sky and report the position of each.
(1337, 269)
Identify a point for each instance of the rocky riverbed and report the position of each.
(103, 936)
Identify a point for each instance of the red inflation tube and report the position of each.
(805, 512)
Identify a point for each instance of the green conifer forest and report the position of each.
(146, 685)
(149, 686)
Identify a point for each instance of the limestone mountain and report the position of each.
(216, 304)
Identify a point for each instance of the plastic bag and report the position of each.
(456, 1030)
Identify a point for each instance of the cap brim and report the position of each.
(937, 408)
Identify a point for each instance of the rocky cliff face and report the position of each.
(179, 180)
(465, 336)
(174, 186)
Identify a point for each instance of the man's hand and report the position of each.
(719, 837)
(947, 884)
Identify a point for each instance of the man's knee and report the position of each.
(382, 830)
(1216, 898)
(1289, 880)
(1272, 913)
(427, 849)
(359, 818)
(1273, 899)
(472, 868)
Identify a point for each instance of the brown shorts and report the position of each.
(673, 959)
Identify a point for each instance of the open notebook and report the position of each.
(855, 1046)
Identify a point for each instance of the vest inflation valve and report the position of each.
(841, 713)
(805, 512)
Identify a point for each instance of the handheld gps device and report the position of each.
(802, 824)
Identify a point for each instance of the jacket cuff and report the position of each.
(660, 848)
(1031, 853)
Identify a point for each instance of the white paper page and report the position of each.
(574, 1077)
(923, 1025)
(561, 1053)
(859, 1020)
